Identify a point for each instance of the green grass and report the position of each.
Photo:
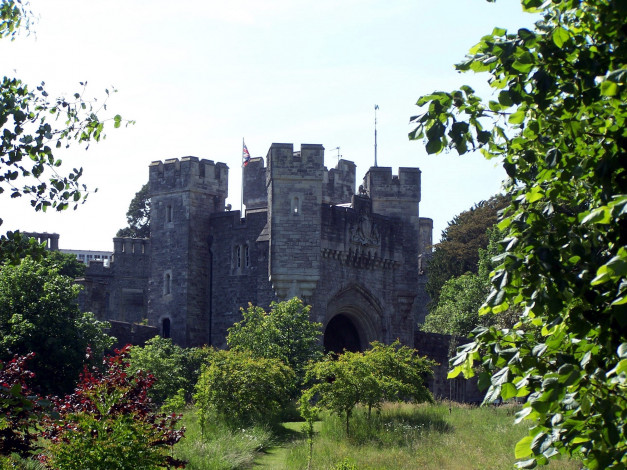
(403, 437)
(221, 448)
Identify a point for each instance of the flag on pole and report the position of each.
(245, 154)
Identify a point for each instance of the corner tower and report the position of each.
(184, 193)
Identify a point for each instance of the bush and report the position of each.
(108, 422)
(241, 389)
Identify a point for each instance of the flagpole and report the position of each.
(241, 201)
(376, 106)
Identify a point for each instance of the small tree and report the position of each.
(242, 389)
(285, 332)
(109, 422)
(166, 362)
(383, 372)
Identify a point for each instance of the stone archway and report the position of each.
(353, 320)
(341, 334)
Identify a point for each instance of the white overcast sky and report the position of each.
(200, 76)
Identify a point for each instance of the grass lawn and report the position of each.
(402, 437)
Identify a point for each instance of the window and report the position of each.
(238, 256)
(165, 328)
(246, 256)
(168, 214)
(167, 283)
(295, 205)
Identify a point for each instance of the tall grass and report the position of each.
(221, 448)
(402, 436)
(418, 437)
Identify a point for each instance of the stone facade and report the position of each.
(355, 257)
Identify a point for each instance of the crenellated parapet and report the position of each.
(123, 246)
(338, 184)
(396, 195)
(189, 173)
(284, 163)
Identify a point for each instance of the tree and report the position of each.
(383, 372)
(285, 332)
(559, 125)
(241, 389)
(38, 313)
(138, 216)
(458, 251)
(166, 362)
(457, 310)
(32, 125)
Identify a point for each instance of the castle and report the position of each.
(355, 257)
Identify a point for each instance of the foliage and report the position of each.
(383, 372)
(138, 216)
(20, 409)
(14, 246)
(458, 251)
(559, 124)
(285, 332)
(221, 447)
(166, 362)
(242, 389)
(38, 313)
(32, 125)
(109, 422)
(457, 311)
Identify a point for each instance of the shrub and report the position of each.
(242, 389)
(109, 422)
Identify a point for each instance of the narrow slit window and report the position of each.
(167, 284)
(246, 256)
(168, 214)
(295, 205)
(238, 256)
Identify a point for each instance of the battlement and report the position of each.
(189, 173)
(130, 246)
(396, 195)
(254, 184)
(283, 162)
(339, 183)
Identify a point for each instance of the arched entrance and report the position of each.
(341, 334)
(353, 320)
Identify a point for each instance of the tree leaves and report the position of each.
(565, 261)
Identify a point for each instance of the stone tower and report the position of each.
(294, 182)
(184, 193)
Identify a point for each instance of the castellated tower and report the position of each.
(294, 183)
(184, 193)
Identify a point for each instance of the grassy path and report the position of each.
(276, 457)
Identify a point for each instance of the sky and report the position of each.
(198, 77)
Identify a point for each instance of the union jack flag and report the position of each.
(245, 155)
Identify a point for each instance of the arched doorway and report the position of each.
(341, 334)
(353, 320)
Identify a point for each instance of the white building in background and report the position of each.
(85, 256)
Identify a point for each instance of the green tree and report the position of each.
(241, 389)
(457, 310)
(138, 216)
(383, 372)
(558, 122)
(285, 332)
(32, 125)
(458, 251)
(38, 313)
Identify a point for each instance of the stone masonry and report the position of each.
(355, 257)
